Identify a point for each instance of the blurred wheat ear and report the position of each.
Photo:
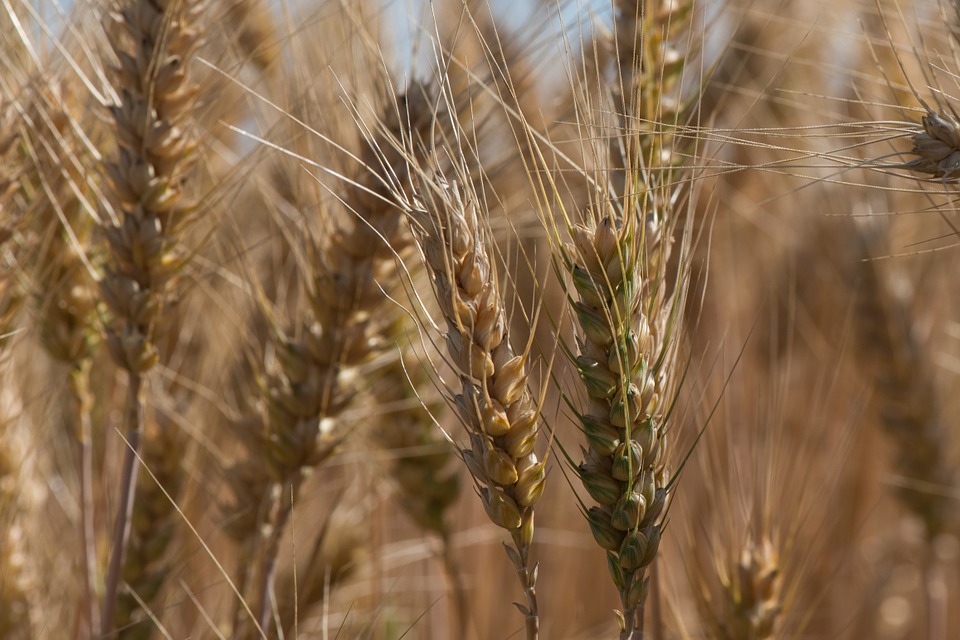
(15, 585)
(316, 373)
(147, 216)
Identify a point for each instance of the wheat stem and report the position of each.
(271, 554)
(128, 481)
(84, 438)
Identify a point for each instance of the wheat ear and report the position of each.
(15, 586)
(906, 395)
(937, 147)
(494, 403)
(626, 364)
(64, 288)
(315, 380)
(153, 41)
(647, 94)
(626, 306)
(751, 595)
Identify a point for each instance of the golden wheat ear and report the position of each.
(493, 400)
(615, 262)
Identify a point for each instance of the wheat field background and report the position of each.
(465, 319)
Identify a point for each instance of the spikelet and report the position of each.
(751, 596)
(154, 42)
(937, 147)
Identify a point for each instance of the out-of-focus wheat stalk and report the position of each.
(317, 374)
(148, 213)
(63, 286)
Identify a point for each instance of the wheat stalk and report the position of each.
(153, 41)
(63, 285)
(494, 403)
(315, 380)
